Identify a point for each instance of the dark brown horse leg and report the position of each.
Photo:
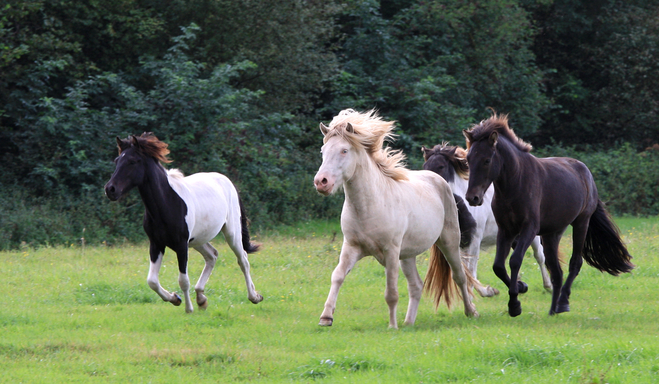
(516, 287)
(550, 244)
(576, 261)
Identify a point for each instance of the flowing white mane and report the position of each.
(370, 132)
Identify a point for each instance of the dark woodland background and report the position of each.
(239, 87)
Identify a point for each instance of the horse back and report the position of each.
(211, 200)
(568, 190)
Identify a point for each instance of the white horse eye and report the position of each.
(344, 151)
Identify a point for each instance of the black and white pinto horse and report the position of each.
(182, 212)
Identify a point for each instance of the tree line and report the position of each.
(240, 86)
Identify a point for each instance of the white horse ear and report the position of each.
(494, 137)
(350, 128)
(323, 129)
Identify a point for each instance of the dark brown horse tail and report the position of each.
(439, 282)
(603, 248)
(247, 244)
(466, 221)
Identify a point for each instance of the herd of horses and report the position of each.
(515, 200)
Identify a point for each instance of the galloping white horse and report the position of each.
(391, 213)
(450, 162)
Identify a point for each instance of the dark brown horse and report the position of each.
(540, 196)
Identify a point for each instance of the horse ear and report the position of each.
(350, 128)
(133, 140)
(494, 137)
(323, 129)
(468, 135)
(426, 153)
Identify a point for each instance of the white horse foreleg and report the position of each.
(539, 254)
(391, 290)
(154, 282)
(210, 256)
(414, 288)
(347, 260)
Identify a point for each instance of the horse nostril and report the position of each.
(323, 181)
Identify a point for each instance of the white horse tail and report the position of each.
(439, 281)
(248, 246)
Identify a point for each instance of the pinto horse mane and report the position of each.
(499, 124)
(455, 155)
(370, 132)
(147, 144)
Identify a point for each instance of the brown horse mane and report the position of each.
(147, 144)
(455, 155)
(499, 124)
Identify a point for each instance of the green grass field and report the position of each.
(87, 315)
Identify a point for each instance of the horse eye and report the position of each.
(344, 151)
(487, 161)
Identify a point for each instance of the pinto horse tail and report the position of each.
(603, 248)
(248, 246)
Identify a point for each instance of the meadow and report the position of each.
(85, 314)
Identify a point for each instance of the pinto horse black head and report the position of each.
(446, 160)
(135, 153)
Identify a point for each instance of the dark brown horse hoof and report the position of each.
(177, 299)
(515, 309)
(561, 308)
(522, 287)
(326, 321)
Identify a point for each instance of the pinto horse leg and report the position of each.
(414, 288)
(210, 256)
(156, 255)
(233, 235)
(579, 230)
(538, 253)
(347, 259)
(183, 279)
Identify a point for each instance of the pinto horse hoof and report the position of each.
(258, 299)
(326, 321)
(203, 305)
(522, 287)
(176, 300)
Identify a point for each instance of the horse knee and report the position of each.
(153, 283)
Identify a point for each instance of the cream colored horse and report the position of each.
(390, 213)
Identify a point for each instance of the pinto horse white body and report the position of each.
(182, 212)
(389, 212)
(450, 162)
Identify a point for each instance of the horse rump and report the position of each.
(603, 247)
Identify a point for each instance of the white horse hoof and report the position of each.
(257, 299)
(326, 321)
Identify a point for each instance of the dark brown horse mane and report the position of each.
(455, 155)
(147, 144)
(499, 124)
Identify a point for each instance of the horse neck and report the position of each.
(459, 185)
(155, 190)
(364, 190)
(513, 164)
